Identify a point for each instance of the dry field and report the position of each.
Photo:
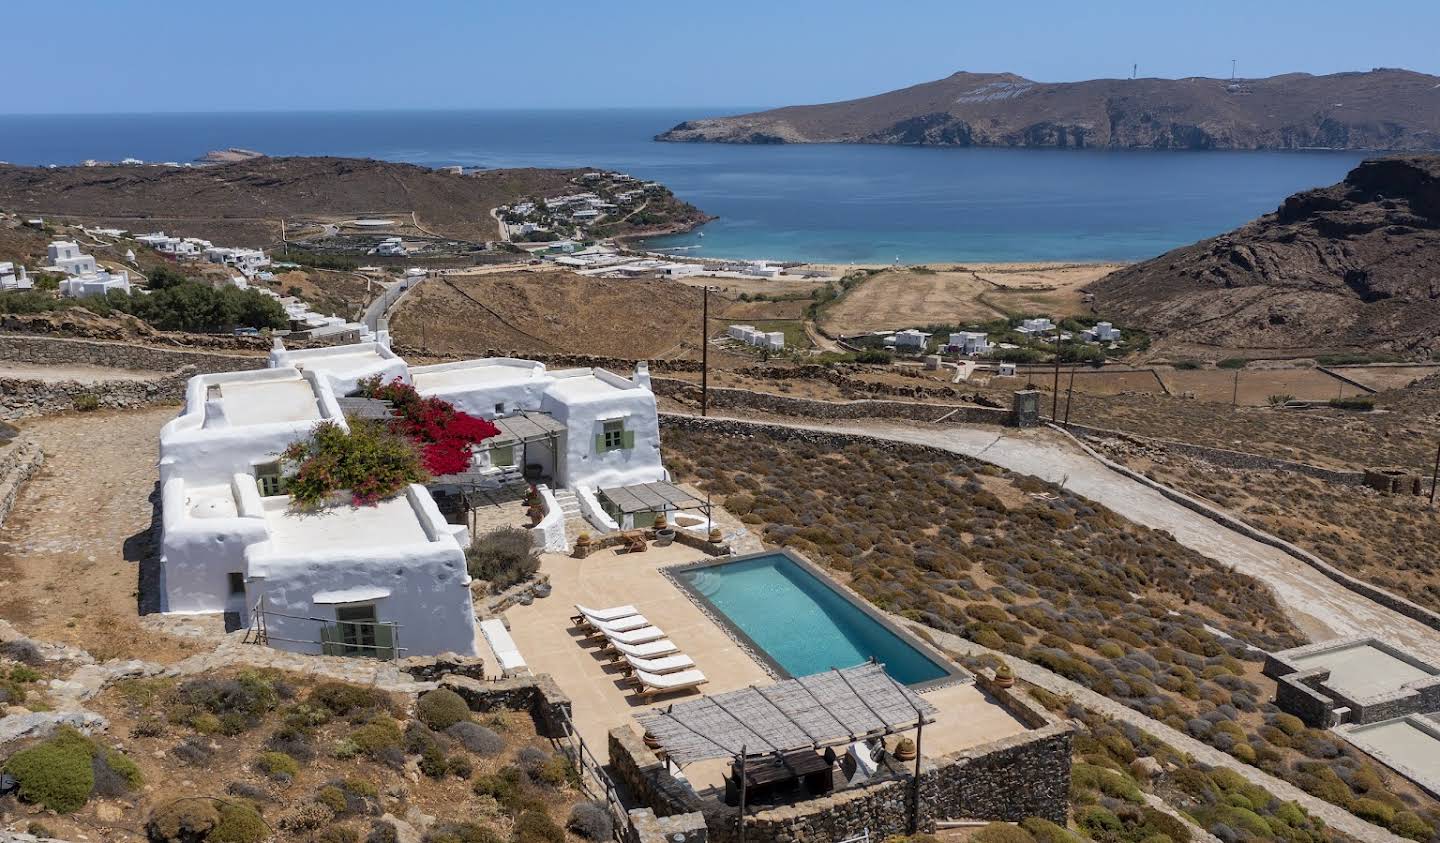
(1387, 377)
(959, 294)
(1257, 385)
(549, 311)
(733, 287)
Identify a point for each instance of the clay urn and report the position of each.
(904, 750)
(1004, 676)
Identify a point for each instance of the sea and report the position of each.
(832, 203)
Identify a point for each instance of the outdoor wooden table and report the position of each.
(767, 773)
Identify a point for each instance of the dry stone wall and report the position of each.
(20, 398)
(46, 350)
(724, 398)
(19, 459)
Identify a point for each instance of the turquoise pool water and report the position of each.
(803, 624)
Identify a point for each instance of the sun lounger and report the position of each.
(622, 625)
(649, 650)
(664, 664)
(658, 683)
(642, 635)
(588, 615)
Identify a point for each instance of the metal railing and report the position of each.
(599, 785)
(259, 633)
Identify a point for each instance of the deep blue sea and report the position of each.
(834, 203)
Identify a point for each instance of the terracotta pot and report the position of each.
(1004, 676)
(904, 750)
(716, 536)
(651, 741)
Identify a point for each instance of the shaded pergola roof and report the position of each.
(525, 427)
(648, 497)
(826, 709)
(365, 408)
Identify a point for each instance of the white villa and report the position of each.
(1036, 326)
(968, 342)
(13, 278)
(1102, 332)
(389, 579)
(247, 261)
(911, 338)
(84, 277)
(65, 256)
(187, 248)
(768, 340)
(96, 283)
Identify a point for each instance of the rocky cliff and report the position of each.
(1354, 265)
(1380, 109)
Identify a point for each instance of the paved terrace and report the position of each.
(602, 701)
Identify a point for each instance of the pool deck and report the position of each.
(550, 644)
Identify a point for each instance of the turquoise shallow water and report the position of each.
(832, 203)
(804, 625)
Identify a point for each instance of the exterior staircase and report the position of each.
(575, 523)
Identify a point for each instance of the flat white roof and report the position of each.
(388, 523)
(341, 365)
(1406, 743)
(269, 401)
(481, 375)
(581, 387)
(1360, 670)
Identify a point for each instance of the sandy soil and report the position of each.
(1256, 386)
(939, 295)
(1387, 377)
(70, 550)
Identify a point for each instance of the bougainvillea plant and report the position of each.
(369, 460)
(444, 434)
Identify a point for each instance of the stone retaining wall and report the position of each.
(1394, 602)
(21, 398)
(833, 439)
(617, 364)
(538, 695)
(62, 351)
(726, 398)
(19, 459)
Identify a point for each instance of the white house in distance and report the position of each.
(388, 579)
(84, 276)
(65, 256)
(1040, 325)
(968, 342)
(911, 339)
(13, 278)
(247, 261)
(1102, 332)
(768, 340)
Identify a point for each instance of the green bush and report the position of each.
(86, 402)
(344, 699)
(367, 460)
(1098, 821)
(1045, 831)
(461, 832)
(333, 798)
(502, 557)
(1186, 365)
(56, 773)
(1407, 824)
(1355, 403)
(1373, 810)
(182, 821)
(1232, 363)
(338, 834)
(442, 708)
(1002, 833)
(377, 736)
(537, 827)
(277, 765)
(238, 824)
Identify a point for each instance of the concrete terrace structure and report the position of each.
(1358, 680)
(768, 340)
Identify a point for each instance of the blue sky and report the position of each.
(164, 55)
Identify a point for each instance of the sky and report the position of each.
(262, 55)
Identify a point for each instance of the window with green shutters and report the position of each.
(502, 456)
(614, 437)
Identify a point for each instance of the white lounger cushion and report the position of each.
(663, 647)
(614, 613)
(669, 681)
(622, 625)
(668, 664)
(636, 636)
(502, 645)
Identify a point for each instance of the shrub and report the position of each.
(442, 708)
(537, 827)
(1373, 810)
(1232, 363)
(182, 821)
(462, 832)
(368, 460)
(333, 798)
(1002, 833)
(115, 775)
(1045, 831)
(1280, 398)
(476, 738)
(87, 402)
(338, 834)
(591, 820)
(1407, 824)
(235, 704)
(502, 557)
(344, 699)
(380, 734)
(56, 773)
(1098, 821)
(238, 824)
(1186, 365)
(1356, 403)
(277, 765)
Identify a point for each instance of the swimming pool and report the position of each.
(801, 624)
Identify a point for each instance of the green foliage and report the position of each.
(86, 402)
(441, 708)
(1045, 831)
(368, 460)
(1187, 365)
(874, 356)
(238, 824)
(319, 261)
(277, 765)
(537, 827)
(344, 699)
(1232, 363)
(56, 773)
(502, 557)
(373, 739)
(1017, 355)
(461, 832)
(1002, 833)
(333, 798)
(228, 706)
(1354, 403)
(182, 821)
(197, 307)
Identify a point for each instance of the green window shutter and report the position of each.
(628, 440)
(332, 642)
(599, 443)
(502, 456)
(384, 641)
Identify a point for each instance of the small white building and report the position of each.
(761, 269)
(12, 278)
(1102, 332)
(95, 284)
(968, 342)
(1036, 326)
(911, 339)
(247, 261)
(681, 270)
(1005, 370)
(65, 256)
(394, 246)
(768, 340)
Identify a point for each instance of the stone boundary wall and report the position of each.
(121, 355)
(21, 398)
(829, 438)
(728, 398)
(577, 361)
(538, 695)
(19, 460)
(1394, 602)
(1225, 457)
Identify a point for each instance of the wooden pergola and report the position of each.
(653, 497)
(815, 712)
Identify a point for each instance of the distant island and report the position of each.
(1382, 109)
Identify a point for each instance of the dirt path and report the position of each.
(70, 549)
(1320, 607)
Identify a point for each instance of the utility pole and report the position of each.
(1235, 391)
(1055, 393)
(705, 356)
(1434, 477)
(1069, 394)
(1232, 70)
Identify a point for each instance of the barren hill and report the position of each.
(1354, 265)
(244, 201)
(549, 312)
(1379, 109)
